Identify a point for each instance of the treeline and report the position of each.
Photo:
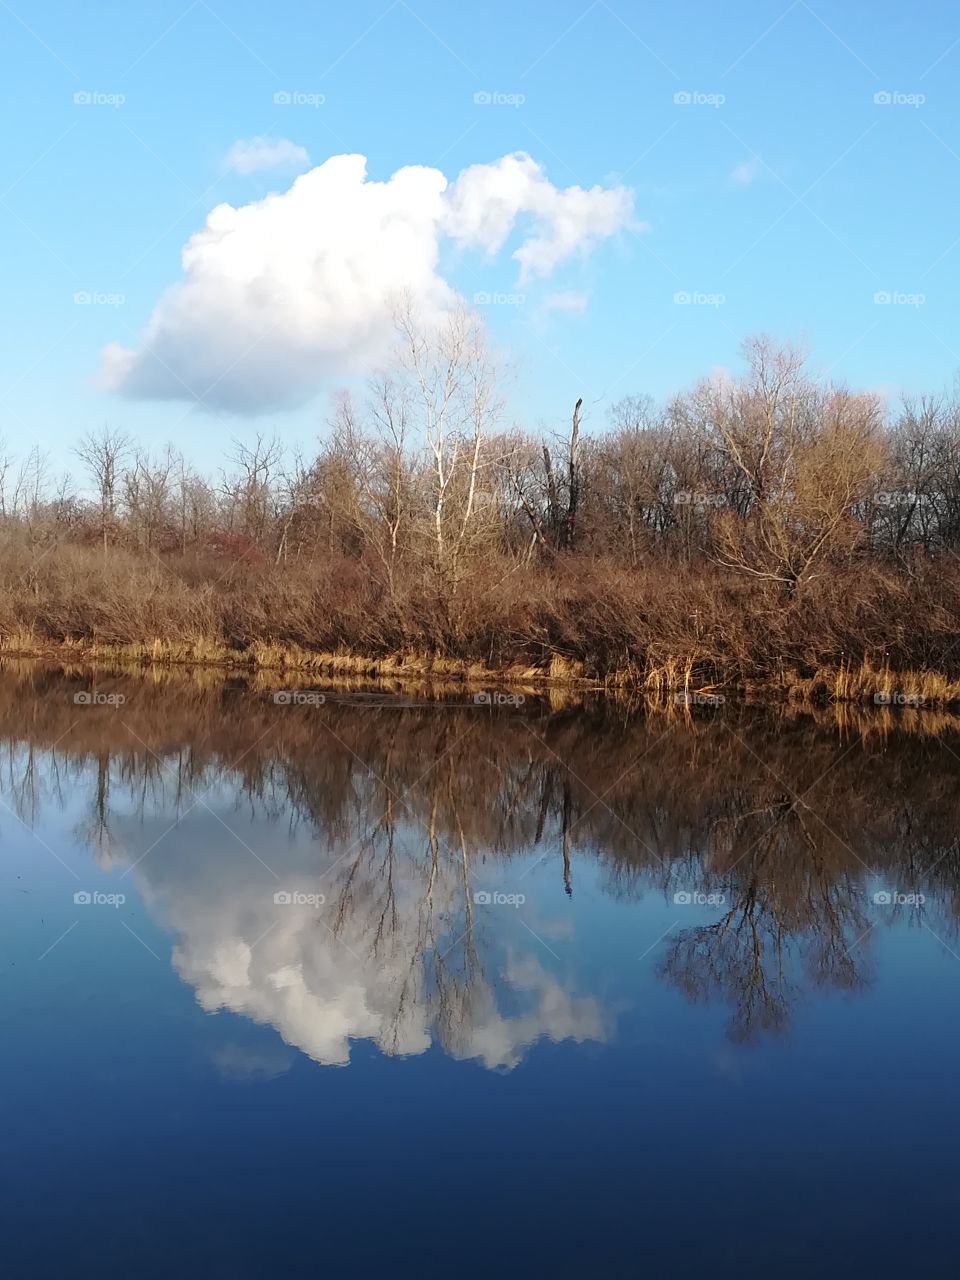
(749, 526)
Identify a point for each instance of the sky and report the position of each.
(208, 208)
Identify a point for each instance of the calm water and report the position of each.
(365, 986)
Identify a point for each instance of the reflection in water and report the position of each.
(212, 799)
(393, 954)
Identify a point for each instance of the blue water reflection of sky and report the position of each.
(199, 1081)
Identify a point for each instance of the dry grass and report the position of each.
(582, 622)
(878, 685)
(865, 684)
(207, 651)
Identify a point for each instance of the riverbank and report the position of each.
(673, 681)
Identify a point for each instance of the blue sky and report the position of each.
(782, 198)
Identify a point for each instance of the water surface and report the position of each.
(356, 983)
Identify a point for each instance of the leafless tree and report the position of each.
(102, 454)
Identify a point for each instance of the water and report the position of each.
(372, 984)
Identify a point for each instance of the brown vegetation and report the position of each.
(763, 531)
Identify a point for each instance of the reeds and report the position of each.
(865, 683)
(869, 683)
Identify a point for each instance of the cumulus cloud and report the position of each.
(283, 294)
(251, 155)
(486, 199)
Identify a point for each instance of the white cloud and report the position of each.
(251, 155)
(281, 295)
(323, 988)
(746, 172)
(485, 200)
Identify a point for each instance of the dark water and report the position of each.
(367, 988)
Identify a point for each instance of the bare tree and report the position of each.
(102, 453)
(248, 493)
(454, 389)
(793, 463)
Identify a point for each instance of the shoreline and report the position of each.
(673, 682)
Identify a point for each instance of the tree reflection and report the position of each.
(400, 812)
